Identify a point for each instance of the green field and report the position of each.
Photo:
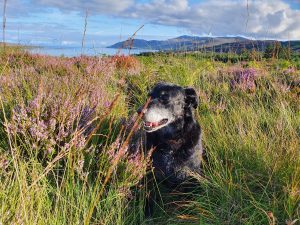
(51, 172)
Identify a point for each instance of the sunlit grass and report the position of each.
(63, 151)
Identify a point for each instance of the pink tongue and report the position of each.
(149, 124)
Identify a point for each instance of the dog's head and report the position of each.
(168, 103)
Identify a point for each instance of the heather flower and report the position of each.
(35, 104)
(66, 146)
(66, 96)
(79, 142)
(52, 124)
(106, 104)
(138, 165)
(3, 163)
(289, 71)
(62, 134)
(125, 191)
(244, 79)
(113, 149)
(85, 120)
(50, 150)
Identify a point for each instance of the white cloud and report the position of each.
(260, 19)
(69, 43)
(273, 19)
(93, 6)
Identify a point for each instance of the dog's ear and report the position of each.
(191, 98)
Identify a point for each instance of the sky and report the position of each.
(61, 22)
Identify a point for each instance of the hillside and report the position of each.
(194, 43)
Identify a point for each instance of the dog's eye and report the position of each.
(164, 97)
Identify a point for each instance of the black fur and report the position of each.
(177, 145)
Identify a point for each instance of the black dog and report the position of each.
(171, 129)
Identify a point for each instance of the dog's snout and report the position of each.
(143, 109)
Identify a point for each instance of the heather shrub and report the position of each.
(47, 108)
(244, 79)
(60, 126)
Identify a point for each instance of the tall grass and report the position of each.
(64, 152)
(63, 160)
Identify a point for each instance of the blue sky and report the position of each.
(58, 22)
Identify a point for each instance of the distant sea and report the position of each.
(76, 51)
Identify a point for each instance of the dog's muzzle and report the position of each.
(151, 125)
(154, 117)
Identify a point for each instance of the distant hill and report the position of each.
(194, 43)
